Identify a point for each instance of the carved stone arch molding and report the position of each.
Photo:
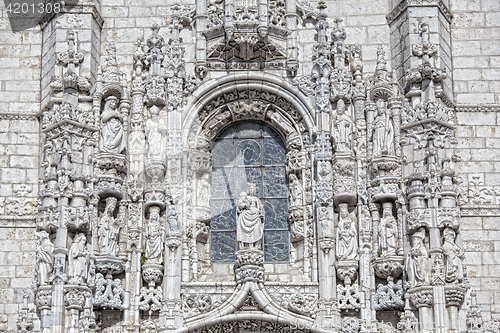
(216, 105)
(250, 309)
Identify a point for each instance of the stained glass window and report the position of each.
(249, 152)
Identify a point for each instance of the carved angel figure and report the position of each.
(156, 130)
(295, 189)
(388, 233)
(347, 235)
(77, 259)
(154, 237)
(108, 229)
(112, 134)
(343, 128)
(383, 131)
(453, 257)
(45, 257)
(250, 220)
(418, 263)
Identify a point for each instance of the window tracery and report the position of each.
(249, 152)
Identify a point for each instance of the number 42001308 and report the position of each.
(48, 7)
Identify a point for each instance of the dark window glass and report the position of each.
(249, 152)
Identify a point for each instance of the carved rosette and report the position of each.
(422, 296)
(388, 267)
(249, 266)
(455, 295)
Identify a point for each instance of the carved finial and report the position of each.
(338, 33)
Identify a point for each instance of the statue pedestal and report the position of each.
(249, 265)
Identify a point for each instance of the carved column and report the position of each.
(430, 171)
(68, 146)
(292, 64)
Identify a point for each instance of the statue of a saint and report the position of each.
(347, 235)
(383, 131)
(418, 263)
(156, 131)
(172, 219)
(453, 257)
(295, 189)
(112, 134)
(204, 190)
(388, 231)
(343, 128)
(250, 220)
(109, 230)
(77, 259)
(154, 237)
(44, 257)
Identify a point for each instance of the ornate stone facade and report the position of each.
(241, 166)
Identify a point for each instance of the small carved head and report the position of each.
(252, 189)
(111, 204)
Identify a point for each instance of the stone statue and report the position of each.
(250, 218)
(295, 191)
(112, 134)
(343, 128)
(156, 131)
(45, 257)
(109, 230)
(388, 231)
(172, 219)
(347, 236)
(204, 190)
(77, 259)
(155, 235)
(383, 131)
(453, 257)
(418, 263)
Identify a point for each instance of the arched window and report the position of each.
(249, 152)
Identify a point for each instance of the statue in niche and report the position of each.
(112, 134)
(388, 231)
(45, 257)
(383, 131)
(109, 229)
(156, 133)
(324, 221)
(250, 218)
(343, 128)
(295, 191)
(172, 219)
(418, 263)
(453, 257)
(204, 190)
(77, 259)
(347, 235)
(154, 237)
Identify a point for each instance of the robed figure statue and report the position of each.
(250, 220)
